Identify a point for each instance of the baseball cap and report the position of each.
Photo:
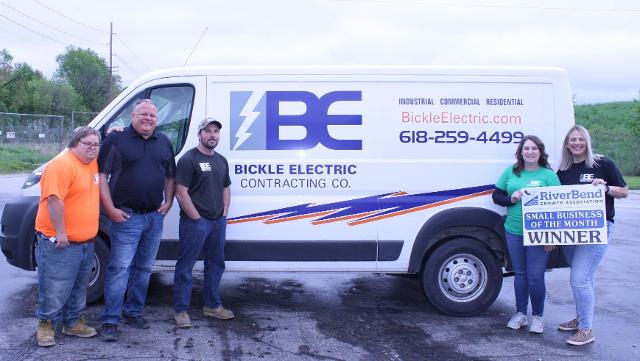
(205, 122)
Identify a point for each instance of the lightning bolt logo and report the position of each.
(250, 115)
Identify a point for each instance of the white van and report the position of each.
(382, 169)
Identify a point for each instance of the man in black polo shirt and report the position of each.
(140, 166)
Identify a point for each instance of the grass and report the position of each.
(23, 158)
(612, 128)
(632, 181)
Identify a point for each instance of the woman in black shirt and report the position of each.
(579, 165)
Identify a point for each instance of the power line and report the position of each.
(510, 6)
(47, 25)
(195, 46)
(132, 52)
(126, 64)
(65, 16)
(34, 31)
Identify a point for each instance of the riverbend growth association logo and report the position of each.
(258, 121)
(564, 215)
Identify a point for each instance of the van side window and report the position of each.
(174, 103)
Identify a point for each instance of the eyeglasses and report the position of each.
(90, 145)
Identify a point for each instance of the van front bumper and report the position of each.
(17, 231)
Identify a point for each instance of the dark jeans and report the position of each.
(197, 235)
(134, 245)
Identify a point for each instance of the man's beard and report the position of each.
(206, 145)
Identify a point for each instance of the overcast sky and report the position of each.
(597, 42)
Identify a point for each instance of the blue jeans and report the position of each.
(196, 235)
(134, 245)
(529, 264)
(584, 261)
(63, 277)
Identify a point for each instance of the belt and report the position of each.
(137, 211)
(143, 211)
(42, 235)
(54, 240)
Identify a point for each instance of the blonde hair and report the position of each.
(566, 160)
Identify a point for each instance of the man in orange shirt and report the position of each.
(66, 223)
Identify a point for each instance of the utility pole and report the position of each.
(109, 89)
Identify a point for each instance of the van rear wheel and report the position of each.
(462, 277)
(101, 256)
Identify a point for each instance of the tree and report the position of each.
(6, 61)
(88, 74)
(55, 97)
(16, 93)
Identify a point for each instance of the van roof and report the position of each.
(355, 70)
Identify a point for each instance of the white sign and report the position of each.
(41, 135)
(564, 215)
(11, 135)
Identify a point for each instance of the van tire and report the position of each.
(95, 289)
(478, 284)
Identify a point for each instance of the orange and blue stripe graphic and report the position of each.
(365, 210)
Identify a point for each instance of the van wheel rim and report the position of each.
(95, 270)
(462, 278)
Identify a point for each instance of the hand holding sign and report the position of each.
(564, 215)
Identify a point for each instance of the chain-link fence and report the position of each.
(77, 119)
(32, 130)
(81, 118)
(41, 131)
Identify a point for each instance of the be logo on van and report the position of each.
(257, 122)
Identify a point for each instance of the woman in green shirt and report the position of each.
(530, 170)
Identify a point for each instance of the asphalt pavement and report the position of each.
(341, 316)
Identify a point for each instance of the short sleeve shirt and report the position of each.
(605, 169)
(76, 184)
(137, 168)
(205, 176)
(510, 182)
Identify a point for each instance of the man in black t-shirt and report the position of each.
(202, 190)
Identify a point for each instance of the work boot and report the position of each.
(136, 321)
(219, 312)
(80, 329)
(46, 333)
(109, 332)
(182, 319)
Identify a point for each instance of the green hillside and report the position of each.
(615, 129)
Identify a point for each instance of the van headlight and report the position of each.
(33, 179)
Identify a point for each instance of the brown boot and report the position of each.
(46, 333)
(182, 319)
(218, 312)
(80, 329)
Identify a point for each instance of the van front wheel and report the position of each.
(461, 277)
(101, 256)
